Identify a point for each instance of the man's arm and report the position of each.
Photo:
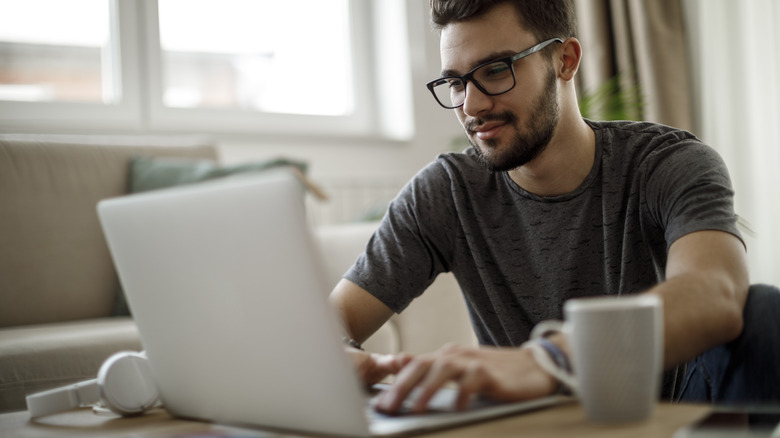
(362, 315)
(704, 294)
(361, 312)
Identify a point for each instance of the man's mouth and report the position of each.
(490, 127)
(488, 130)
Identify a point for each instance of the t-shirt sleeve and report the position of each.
(689, 190)
(406, 252)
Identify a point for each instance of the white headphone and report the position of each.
(124, 384)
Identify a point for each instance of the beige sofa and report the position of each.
(58, 287)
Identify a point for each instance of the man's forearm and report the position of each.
(704, 294)
(360, 311)
(699, 314)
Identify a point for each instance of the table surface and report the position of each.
(558, 421)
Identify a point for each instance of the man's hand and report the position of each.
(373, 367)
(503, 374)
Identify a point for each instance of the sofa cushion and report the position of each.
(54, 263)
(40, 357)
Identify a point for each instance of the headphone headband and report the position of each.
(69, 397)
(124, 383)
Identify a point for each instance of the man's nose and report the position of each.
(475, 101)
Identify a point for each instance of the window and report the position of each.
(251, 57)
(214, 66)
(44, 58)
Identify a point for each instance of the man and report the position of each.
(545, 206)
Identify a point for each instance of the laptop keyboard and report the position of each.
(442, 402)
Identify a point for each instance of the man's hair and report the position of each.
(544, 18)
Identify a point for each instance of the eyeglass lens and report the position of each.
(493, 78)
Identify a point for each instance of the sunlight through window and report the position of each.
(271, 56)
(56, 51)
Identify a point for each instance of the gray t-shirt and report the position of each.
(518, 256)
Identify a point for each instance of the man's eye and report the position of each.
(456, 84)
(494, 71)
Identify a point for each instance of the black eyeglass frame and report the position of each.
(509, 61)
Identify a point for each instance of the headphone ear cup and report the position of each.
(126, 383)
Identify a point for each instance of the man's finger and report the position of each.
(473, 381)
(441, 371)
(392, 399)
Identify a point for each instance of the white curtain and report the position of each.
(735, 54)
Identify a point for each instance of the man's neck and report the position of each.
(564, 164)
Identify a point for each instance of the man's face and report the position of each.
(511, 129)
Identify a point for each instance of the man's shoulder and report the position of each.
(452, 165)
(466, 158)
(451, 177)
(639, 141)
(628, 130)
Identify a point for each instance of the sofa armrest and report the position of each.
(437, 317)
(43, 356)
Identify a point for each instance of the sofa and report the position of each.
(60, 301)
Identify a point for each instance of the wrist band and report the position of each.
(560, 359)
(556, 354)
(554, 362)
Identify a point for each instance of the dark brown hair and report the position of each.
(544, 18)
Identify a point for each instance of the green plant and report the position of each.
(612, 101)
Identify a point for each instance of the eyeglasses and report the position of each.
(492, 78)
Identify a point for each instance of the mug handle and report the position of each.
(543, 357)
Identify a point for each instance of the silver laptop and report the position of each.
(226, 287)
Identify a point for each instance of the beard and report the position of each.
(524, 146)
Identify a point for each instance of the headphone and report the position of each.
(124, 384)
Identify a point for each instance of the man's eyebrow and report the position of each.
(491, 57)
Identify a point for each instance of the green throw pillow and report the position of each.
(158, 173)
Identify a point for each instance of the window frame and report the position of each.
(135, 31)
(59, 116)
(360, 122)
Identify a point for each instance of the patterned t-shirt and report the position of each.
(518, 256)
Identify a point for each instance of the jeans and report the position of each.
(745, 371)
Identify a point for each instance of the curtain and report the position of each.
(735, 54)
(642, 41)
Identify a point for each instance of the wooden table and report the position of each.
(560, 421)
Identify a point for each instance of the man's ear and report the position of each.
(569, 58)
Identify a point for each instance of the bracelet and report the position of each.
(554, 362)
(352, 343)
(556, 354)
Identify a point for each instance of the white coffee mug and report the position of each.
(617, 349)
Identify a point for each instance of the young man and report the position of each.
(545, 206)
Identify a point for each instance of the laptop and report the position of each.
(226, 287)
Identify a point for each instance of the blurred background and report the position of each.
(340, 85)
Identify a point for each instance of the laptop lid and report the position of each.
(225, 285)
(226, 288)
